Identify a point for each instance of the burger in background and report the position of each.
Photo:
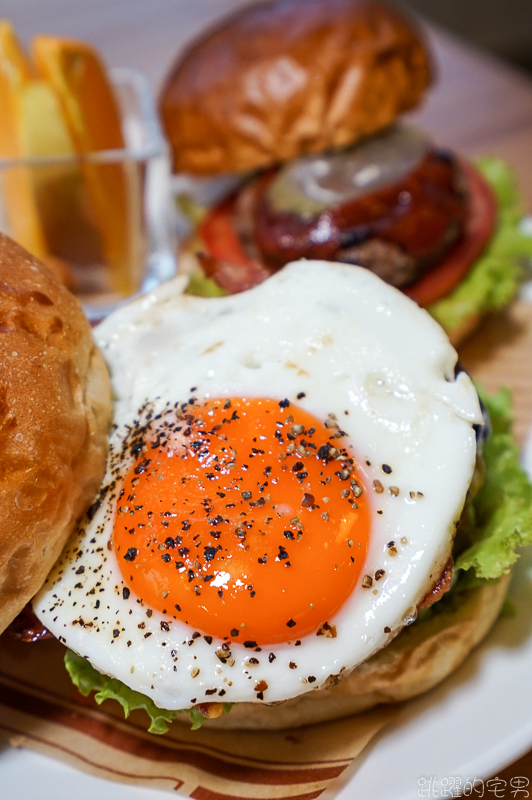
(301, 101)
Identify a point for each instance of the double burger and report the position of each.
(302, 100)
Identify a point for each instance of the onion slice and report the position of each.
(308, 185)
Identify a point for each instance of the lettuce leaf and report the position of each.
(502, 507)
(497, 275)
(87, 679)
(201, 286)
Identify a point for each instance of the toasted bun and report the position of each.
(54, 416)
(418, 659)
(286, 77)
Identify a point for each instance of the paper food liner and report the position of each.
(40, 709)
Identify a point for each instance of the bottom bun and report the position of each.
(418, 659)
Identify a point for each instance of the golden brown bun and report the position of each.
(418, 659)
(287, 77)
(54, 417)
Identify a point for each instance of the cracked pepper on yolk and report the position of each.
(245, 519)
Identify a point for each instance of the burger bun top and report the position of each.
(283, 78)
(55, 413)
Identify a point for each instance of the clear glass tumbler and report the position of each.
(103, 220)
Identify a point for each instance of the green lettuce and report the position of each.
(502, 507)
(496, 276)
(201, 286)
(87, 680)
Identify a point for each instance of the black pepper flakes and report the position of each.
(91, 511)
(327, 630)
(210, 552)
(142, 466)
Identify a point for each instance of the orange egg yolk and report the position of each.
(245, 518)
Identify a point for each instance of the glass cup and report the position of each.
(102, 220)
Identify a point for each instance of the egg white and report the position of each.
(358, 349)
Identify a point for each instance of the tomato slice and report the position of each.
(482, 217)
(218, 234)
(221, 241)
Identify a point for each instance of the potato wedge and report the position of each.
(75, 72)
(20, 206)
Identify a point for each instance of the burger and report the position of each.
(306, 509)
(301, 100)
(55, 411)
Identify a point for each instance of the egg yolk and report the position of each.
(245, 518)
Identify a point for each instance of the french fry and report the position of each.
(74, 70)
(37, 200)
(18, 190)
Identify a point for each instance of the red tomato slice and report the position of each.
(222, 242)
(218, 234)
(482, 217)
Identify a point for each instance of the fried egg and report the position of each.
(286, 472)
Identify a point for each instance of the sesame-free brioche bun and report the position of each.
(282, 78)
(54, 416)
(419, 658)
